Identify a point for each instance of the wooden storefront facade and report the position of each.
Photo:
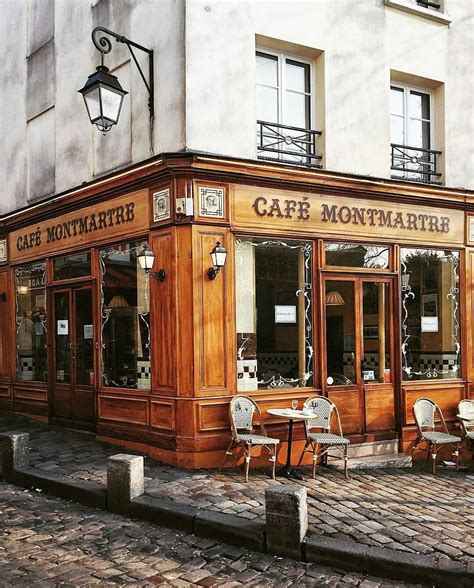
(344, 332)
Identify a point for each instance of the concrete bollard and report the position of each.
(286, 519)
(15, 452)
(125, 481)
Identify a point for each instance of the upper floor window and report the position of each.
(411, 135)
(284, 109)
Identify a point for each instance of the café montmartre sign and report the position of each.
(337, 215)
(105, 219)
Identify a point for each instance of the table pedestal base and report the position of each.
(288, 471)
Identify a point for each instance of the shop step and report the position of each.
(370, 448)
(393, 460)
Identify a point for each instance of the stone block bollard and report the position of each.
(286, 519)
(15, 452)
(125, 481)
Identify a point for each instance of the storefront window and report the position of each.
(431, 341)
(274, 329)
(125, 318)
(72, 266)
(355, 255)
(31, 329)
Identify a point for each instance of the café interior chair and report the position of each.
(425, 412)
(320, 438)
(466, 410)
(242, 411)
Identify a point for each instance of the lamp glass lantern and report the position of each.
(103, 96)
(218, 257)
(146, 259)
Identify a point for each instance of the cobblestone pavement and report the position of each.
(408, 510)
(47, 541)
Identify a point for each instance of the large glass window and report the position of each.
(31, 330)
(274, 328)
(72, 266)
(125, 318)
(431, 341)
(355, 255)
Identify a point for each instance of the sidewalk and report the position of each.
(406, 510)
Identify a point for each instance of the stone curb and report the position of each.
(387, 563)
(81, 491)
(230, 529)
(165, 513)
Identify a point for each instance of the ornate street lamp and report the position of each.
(218, 256)
(146, 259)
(102, 93)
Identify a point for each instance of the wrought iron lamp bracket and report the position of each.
(104, 46)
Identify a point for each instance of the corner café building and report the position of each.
(353, 288)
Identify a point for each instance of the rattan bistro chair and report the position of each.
(425, 411)
(466, 408)
(321, 443)
(242, 410)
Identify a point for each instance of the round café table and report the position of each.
(288, 471)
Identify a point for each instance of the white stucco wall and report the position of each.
(205, 83)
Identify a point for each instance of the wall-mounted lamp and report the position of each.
(102, 93)
(3, 296)
(146, 259)
(218, 256)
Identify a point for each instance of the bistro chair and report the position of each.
(242, 410)
(425, 411)
(320, 443)
(466, 410)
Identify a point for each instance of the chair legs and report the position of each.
(346, 475)
(433, 458)
(228, 452)
(247, 466)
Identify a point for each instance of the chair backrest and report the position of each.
(323, 409)
(425, 411)
(242, 409)
(466, 408)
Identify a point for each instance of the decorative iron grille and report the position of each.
(415, 163)
(287, 144)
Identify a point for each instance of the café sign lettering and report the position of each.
(344, 215)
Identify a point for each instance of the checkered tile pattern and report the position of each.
(144, 375)
(27, 368)
(439, 362)
(247, 375)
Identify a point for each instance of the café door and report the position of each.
(358, 368)
(73, 399)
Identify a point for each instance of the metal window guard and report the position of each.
(415, 163)
(427, 4)
(292, 145)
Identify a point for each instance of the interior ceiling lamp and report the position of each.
(146, 259)
(333, 298)
(102, 93)
(218, 256)
(118, 302)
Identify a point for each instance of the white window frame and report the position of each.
(406, 92)
(281, 56)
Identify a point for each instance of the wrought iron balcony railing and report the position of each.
(415, 163)
(427, 4)
(287, 144)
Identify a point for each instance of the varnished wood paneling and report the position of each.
(446, 397)
(379, 408)
(38, 394)
(162, 415)
(349, 404)
(131, 411)
(5, 343)
(5, 392)
(213, 416)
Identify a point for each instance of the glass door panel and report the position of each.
(340, 333)
(62, 338)
(376, 362)
(84, 335)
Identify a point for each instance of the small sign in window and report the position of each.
(285, 314)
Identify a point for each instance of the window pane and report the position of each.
(31, 330)
(340, 333)
(296, 111)
(376, 332)
(419, 134)
(62, 338)
(267, 104)
(431, 343)
(419, 106)
(297, 76)
(84, 337)
(72, 266)
(267, 69)
(397, 131)
(274, 328)
(125, 319)
(352, 255)
(396, 101)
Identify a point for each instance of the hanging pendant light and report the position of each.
(333, 298)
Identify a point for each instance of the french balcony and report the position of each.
(285, 144)
(427, 4)
(415, 164)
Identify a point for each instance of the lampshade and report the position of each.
(333, 298)
(118, 302)
(103, 96)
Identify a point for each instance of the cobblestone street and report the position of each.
(405, 510)
(47, 541)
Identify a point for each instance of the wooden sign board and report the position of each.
(334, 216)
(107, 220)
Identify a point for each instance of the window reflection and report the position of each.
(376, 332)
(340, 333)
(430, 314)
(355, 255)
(125, 318)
